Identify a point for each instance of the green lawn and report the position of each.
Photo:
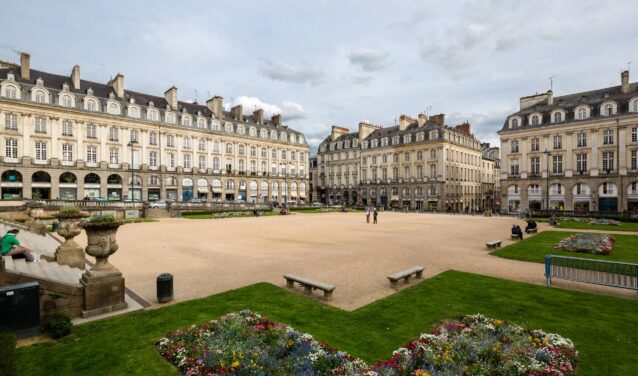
(624, 226)
(534, 248)
(603, 328)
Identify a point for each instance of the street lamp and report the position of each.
(547, 155)
(131, 144)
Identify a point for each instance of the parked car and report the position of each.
(159, 204)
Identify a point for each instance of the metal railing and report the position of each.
(599, 272)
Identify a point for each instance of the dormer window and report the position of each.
(89, 91)
(609, 110)
(558, 117)
(151, 104)
(634, 106)
(535, 120)
(514, 123)
(65, 87)
(11, 76)
(10, 92)
(582, 113)
(132, 100)
(39, 82)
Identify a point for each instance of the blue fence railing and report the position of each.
(599, 272)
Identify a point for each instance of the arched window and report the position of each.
(114, 179)
(514, 125)
(170, 118)
(558, 117)
(635, 106)
(40, 177)
(134, 112)
(609, 110)
(11, 92)
(11, 176)
(114, 109)
(68, 177)
(91, 179)
(582, 113)
(230, 184)
(535, 120)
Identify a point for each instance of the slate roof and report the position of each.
(54, 83)
(592, 98)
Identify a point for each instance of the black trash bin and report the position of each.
(164, 287)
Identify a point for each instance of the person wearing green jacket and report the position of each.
(11, 246)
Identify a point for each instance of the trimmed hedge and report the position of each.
(8, 355)
(58, 324)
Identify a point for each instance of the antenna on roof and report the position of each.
(196, 95)
(551, 83)
(207, 93)
(628, 65)
(428, 109)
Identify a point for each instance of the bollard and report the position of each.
(164, 287)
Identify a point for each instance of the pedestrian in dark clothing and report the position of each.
(516, 230)
(375, 214)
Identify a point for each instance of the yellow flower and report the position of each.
(235, 364)
(420, 372)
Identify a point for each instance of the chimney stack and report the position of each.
(550, 97)
(276, 120)
(422, 119)
(438, 119)
(171, 97)
(404, 121)
(624, 79)
(258, 116)
(237, 112)
(117, 84)
(464, 128)
(25, 66)
(215, 106)
(75, 77)
(337, 132)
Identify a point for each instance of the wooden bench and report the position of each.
(493, 244)
(515, 237)
(406, 274)
(309, 285)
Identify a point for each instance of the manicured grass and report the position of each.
(534, 248)
(603, 328)
(624, 226)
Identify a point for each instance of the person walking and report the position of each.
(375, 214)
(367, 214)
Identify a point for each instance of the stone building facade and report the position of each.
(420, 164)
(573, 152)
(68, 138)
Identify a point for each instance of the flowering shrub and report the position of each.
(603, 221)
(597, 244)
(478, 345)
(245, 343)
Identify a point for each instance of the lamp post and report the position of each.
(131, 144)
(547, 155)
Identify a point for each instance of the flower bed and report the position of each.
(597, 244)
(478, 345)
(245, 343)
(603, 221)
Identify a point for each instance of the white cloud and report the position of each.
(278, 71)
(288, 110)
(369, 59)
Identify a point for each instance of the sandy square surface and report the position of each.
(211, 256)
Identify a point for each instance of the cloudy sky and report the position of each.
(321, 63)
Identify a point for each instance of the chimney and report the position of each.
(438, 119)
(337, 132)
(75, 77)
(463, 128)
(215, 106)
(550, 97)
(276, 120)
(171, 97)
(237, 112)
(422, 119)
(365, 129)
(404, 121)
(25, 66)
(117, 84)
(258, 116)
(624, 79)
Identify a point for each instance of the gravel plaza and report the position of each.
(211, 256)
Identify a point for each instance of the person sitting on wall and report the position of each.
(11, 246)
(531, 225)
(552, 220)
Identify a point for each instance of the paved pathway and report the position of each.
(210, 256)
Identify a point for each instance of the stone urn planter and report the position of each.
(35, 209)
(70, 253)
(103, 283)
(101, 243)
